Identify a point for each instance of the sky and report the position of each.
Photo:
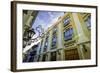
(46, 19)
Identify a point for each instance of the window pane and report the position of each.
(54, 40)
(54, 37)
(66, 21)
(68, 34)
(88, 22)
(46, 44)
(71, 31)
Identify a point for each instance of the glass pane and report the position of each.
(66, 21)
(68, 34)
(88, 22)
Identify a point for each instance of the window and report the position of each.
(46, 44)
(54, 40)
(88, 22)
(53, 56)
(40, 47)
(68, 34)
(54, 37)
(66, 21)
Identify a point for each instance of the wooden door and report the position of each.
(71, 54)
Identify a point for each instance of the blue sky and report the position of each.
(46, 19)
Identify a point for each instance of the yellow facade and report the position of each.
(68, 39)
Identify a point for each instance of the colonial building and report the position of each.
(67, 39)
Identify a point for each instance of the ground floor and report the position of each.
(74, 52)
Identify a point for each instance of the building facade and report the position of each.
(67, 39)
